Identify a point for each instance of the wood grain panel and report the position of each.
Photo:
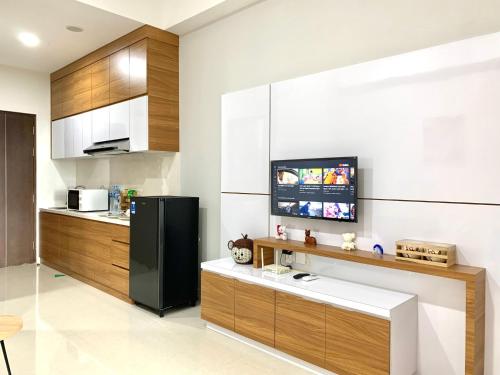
(120, 253)
(50, 238)
(457, 271)
(120, 233)
(89, 238)
(119, 76)
(77, 92)
(356, 344)
(217, 299)
(83, 248)
(56, 99)
(475, 325)
(119, 279)
(300, 328)
(163, 91)
(142, 32)
(138, 68)
(254, 312)
(100, 83)
(163, 124)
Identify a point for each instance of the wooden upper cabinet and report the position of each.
(143, 62)
(356, 343)
(56, 99)
(76, 92)
(100, 83)
(300, 328)
(119, 76)
(217, 299)
(138, 68)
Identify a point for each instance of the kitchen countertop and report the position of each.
(353, 296)
(87, 215)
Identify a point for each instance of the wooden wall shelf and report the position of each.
(474, 278)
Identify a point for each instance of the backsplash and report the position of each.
(150, 174)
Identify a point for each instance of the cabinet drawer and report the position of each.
(254, 308)
(356, 343)
(217, 299)
(118, 279)
(120, 254)
(300, 328)
(120, 233)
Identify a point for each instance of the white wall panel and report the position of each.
(243, 214)
(424, 124)
(245, 141)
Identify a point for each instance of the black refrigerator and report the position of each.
(164, 252)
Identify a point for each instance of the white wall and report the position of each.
(279, 39)
(29, 92)
(151, 173)
(282, 39)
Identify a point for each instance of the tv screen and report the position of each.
(315, 188)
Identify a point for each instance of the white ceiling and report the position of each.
(48, 19)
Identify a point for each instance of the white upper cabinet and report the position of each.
(58, 139)
(245, 141)
(82, 137)
(119, 120)
(139, 124)
(86, 120)
(128, 119)
(69, 134)
(100, 124)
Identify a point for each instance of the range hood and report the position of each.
(114, 147)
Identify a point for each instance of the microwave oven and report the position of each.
(88, 199)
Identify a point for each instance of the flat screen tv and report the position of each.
(315, 188)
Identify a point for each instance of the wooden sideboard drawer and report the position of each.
(120, 254)
(118, 279)
(300, 328)
(356, 343)
(217, 299)
(254, 312)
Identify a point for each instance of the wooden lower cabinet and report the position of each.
(254, 312)
(217, 299)
(87, 250)
(342, 341)
(49, 237)
(356, 343)
(300, 328)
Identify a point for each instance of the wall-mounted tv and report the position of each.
(315, 188)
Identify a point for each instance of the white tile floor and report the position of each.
(72, 328)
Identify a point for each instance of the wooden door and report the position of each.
(300, 328)
(217, 299)
(254, 308)
(17, 204)
(356, 343)
(119, 74)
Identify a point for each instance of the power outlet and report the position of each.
(300, 258)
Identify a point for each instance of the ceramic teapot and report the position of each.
(241, 250)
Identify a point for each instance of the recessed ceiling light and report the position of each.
(29, 39)
(74, 29)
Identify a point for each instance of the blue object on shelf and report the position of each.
(378, 249)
